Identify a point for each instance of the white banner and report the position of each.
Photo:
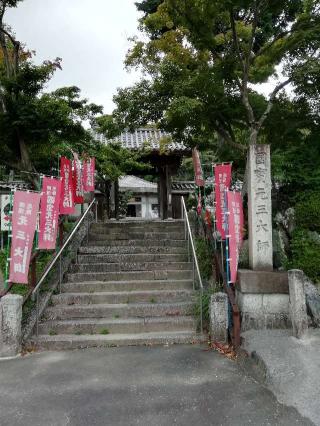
(5, 211)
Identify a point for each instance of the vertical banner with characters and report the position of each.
(66, 199)
(24, 221)
(49, 213)
(88, 174)
(197, 168)
(5, 205)
(235, 226)
(77, 181)
(222, 175)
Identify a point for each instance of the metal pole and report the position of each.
(193, 274)
(60, 273)
(37, 315)
(201, 310)
(96, 211)
(188, 247)
(87, 230)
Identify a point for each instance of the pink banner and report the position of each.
(66, 201)
(77, 181)
(235, 225)
(24, 221)
(49, 213)
(222, 174)
(197, 168)
(88, 174)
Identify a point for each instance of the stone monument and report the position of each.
(259, 208)
(261, 293)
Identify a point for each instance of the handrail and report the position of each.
(188, 234)
(53, 262)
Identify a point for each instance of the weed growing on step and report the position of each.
(52, 333)
(206, 297)
(104, 331)
(153, 300)
(116, 316)
(78, 333)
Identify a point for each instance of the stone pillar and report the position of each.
(259, 208)
(219, 318)
(298, 307)
(10, 325)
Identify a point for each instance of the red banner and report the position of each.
(67, 201)
(77, 181)
(49, 213)
(222, 175)
(24, 221)
(197, 168)
(88, 175)
(235, 226)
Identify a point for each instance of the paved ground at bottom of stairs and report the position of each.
(289, 367)
(174, 385)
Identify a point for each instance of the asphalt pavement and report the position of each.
(173, 385)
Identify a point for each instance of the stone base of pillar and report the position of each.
(10, 325)
(263, 300)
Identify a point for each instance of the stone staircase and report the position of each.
(131, 285)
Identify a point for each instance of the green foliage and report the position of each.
(205, 59)
(20, 289)
(3, 260)
(307, 212)
(114, 161)
(124, 198)
(104, 331)
(305, 254)
(205, 300)
(204, 255)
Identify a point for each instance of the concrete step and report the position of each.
(117, 325)
(139, 243)
(102, 286)
(143, 235)
(145, 296)
(67, 341)
(127, 276)
(121, 310)
(123, 250)
(138, 224)
(131, 258)
(139, 266)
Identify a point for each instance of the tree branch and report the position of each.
(270, 103)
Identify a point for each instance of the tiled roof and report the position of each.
(183, 186)
(143, 137)
(134, 183)
(8, 186)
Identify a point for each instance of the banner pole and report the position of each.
(6, 282)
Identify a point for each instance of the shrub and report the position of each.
(204, 255)
(307, 212)
(305, 254)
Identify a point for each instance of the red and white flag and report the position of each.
(235, 227)
(77, 181)
(66, 200)
(197, 167)
(222, 175)
(24, 221)
(49, 213)
(88, 174)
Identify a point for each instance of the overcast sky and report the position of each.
(89, 35)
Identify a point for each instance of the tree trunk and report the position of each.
(253, 136)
